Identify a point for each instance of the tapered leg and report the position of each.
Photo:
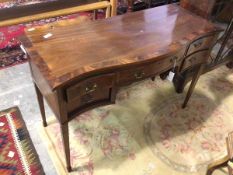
(41, 105)
(192, 86)
(66, 145)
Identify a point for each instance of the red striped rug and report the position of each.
(17, 153)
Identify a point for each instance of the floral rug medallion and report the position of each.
(204, 123)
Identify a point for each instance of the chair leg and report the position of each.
(192, 86)
(108, 12)
(113, 7)
(95, 14)
(218, 164)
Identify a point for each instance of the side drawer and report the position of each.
(89, 89)
(194, 59)
(201, 43)
(147, 70)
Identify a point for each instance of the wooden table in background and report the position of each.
(81, 67)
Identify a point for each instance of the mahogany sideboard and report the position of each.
(80, 67)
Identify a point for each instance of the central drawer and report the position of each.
(147, 70)
(89, 91)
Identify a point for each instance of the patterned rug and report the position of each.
(148, 133)
(10, 52)
(17, 153)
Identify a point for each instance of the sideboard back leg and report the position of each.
(192, 86)
(41, 105)
(66, 145)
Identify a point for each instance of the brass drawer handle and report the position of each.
(139, 75)
(90, 89)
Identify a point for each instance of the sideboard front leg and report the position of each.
(63, 120)
(66, 145)
(41, 105)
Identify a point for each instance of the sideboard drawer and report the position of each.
(201, 43)
(89, 89)
(194, 59)
(92, 98)
(145, 71)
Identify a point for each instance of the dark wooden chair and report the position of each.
(196, 55)
(195, 58)
(223, 56)
(214, 11)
